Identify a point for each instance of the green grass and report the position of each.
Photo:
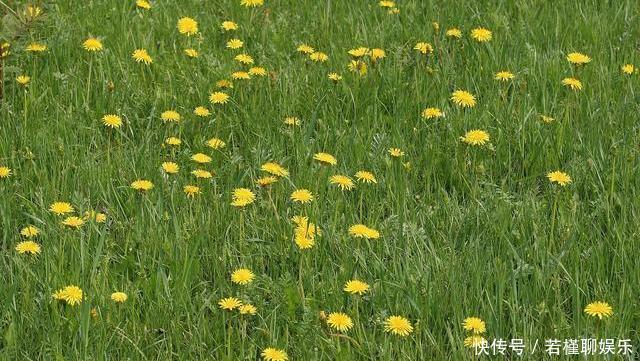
(466, 231)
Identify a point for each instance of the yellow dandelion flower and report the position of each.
(173, 141)
(475, 137)
(599, 309)
(28, 247)
(201, 158)
(358, 66)
(201, 173)
(142, 185)
(251, 3)
(229, 25)
(362, 231)
(187, 26)
(398, 325)
(572, 83)
(319, 56)
(119, 297)
(305, 49)
(192, 53)
(274, 354)
(60, 208)
(431, 113)
(258, 71)
(340, 321)
(240, 75)
(474, 324)
(216, 143)
(559, 177)
(387, 4)
(628, 69)
(481, 35)
(242, 197)
(463, 98)
(72, 295)
(292, 121)
(224, 84)
(275, 169)
(365, 177)
(578, 58)
(141, 56)
(235, 44)
(191, 191)
(112, 121)
(325, 158)
(454, 33)
(546, 119)
(359, 52)
(30, 231)
(244, 58)
(342, 181)
(92, 44)
(5, 172)
(170, 167)
(335, 77)
(23, 80)
(36, 48)
(201, 111)
(242, 276)
(219, 98)
(143, 4)
(302, 196)
(423, 48)
(504, 76)
(73, 222)
(266, 181)
(170, 116)
(247, 309)
(229, 303)
(356, 287)
(395, 152)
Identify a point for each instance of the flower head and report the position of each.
(219, 98)
(423, 48)
(5, 172)
(235, 44)
(201, 173)
(216, 143)
(242, 276)
(191, 191)
(92, 44)
(305, 49)
(112, 121)
(60, 208)
(474, 324)
(463, 99)
(275, 169)
(142, 185)
(340, 321)
(325, 158)
(251, 3)
(244, 59)
(572, 83)
(274, 354)
(504, 76)
(362, 231)
(242, 197)
(187, 26)
(141, 56)
(599, 309)
(201, 111)
(454, 33)
(229, 25)
(395, 152)
(229, 303)
(73, 222)
(356, 287)
(431, 113)
(342, 181)
(302, 196)
(143, 4)
(247, 309)
(72, 295)
(365, 177)
(628, 69)
(28, 247)
(398, 325)
(201, 158)
(170, 116)
(30, 231)
(192, 53)
(475, 137)
(578, 58)
(481, 34)
(559, 177)
(119, 297)
(319, 56)
(23, 80)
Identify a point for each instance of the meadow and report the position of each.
(317, 180)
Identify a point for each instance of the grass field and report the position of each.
(456, 224)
